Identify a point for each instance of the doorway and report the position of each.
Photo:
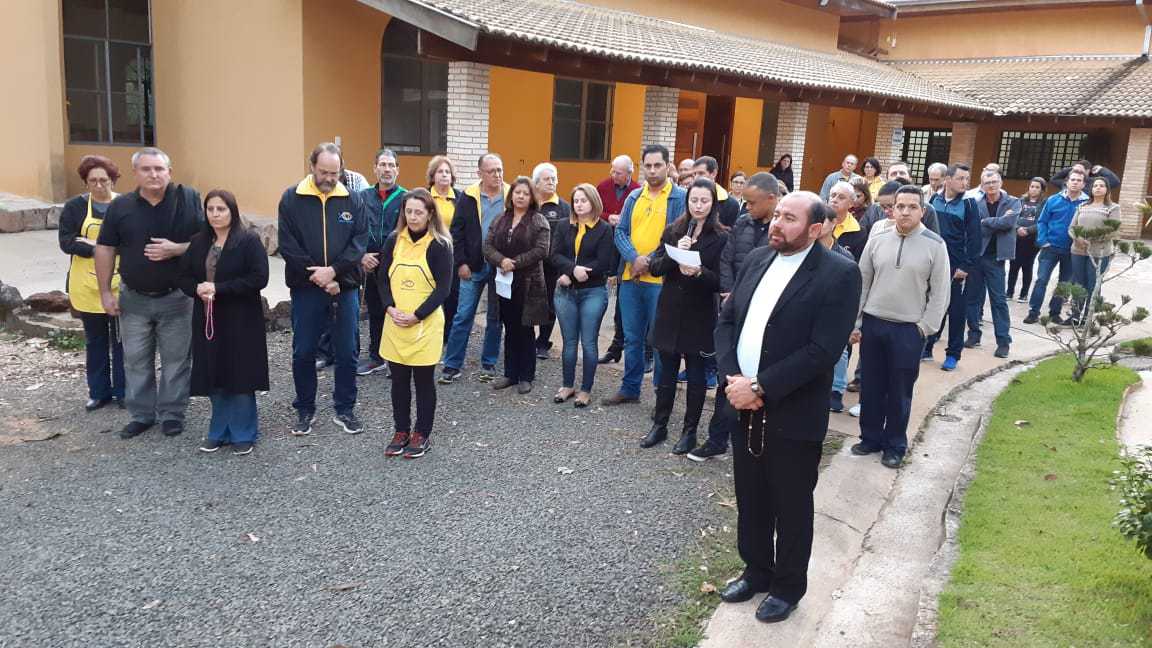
(704, 127)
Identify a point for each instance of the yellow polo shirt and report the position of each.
(649, 218)
(445, 206)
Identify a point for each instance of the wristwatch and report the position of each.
(755, 385)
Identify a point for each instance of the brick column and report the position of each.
(886, 150)
(963, 143)
(1134, 186)
(791, 131)
(661, 106)
(468, 105)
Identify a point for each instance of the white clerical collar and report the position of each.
(797, 258)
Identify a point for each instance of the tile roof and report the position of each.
(615, 34)
(1097, 86)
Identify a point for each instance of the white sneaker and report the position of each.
(854, 410)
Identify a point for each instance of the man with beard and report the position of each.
(779, 336)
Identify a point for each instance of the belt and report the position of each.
(164, 292)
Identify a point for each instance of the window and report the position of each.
(1025, 155)
(108, 71)
(581, 120)
(413, 94)
(769, 121)
(923, 148)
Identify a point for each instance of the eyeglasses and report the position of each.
(100, 181)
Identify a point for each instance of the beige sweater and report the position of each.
(1093, 216)
(905, 278)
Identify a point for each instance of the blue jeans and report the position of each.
(891, 354)
(1050, 257)
(579, 312)
(840, 373)
(470, 291)
(234, 418)
(311, 309)
(638, 312)
(104, 357)
(988, 277)
(1083, 274)
(955, 317)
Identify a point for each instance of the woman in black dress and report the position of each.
(224, 270)
(1031, 204)
(686, 311)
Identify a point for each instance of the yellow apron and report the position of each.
(83, 291)
(411, 281)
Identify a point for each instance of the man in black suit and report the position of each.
(777, 341)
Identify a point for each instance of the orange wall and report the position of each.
(1114, 30)
(521, 131)
(772, 20)
(746, 137)
(342, 41)
(32, 128)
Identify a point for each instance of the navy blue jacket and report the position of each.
(312, 232)
(961, 234)
(381, 219)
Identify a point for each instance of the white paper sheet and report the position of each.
(690, 258)
(503, 284)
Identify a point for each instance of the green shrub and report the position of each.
(1134, 481)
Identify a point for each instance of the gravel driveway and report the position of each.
(528, 524)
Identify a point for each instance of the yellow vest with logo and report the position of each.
(83, 290)
(411, 281)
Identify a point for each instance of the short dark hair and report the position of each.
(890, 187)
(385, 151)
(89, 162)
(874, 163)
(953, 168)
(911, 191)
(654, 148)
(1042, 181)
(764, 182)
(1084, 163)
(1083, 176)
(709, 162)
(738, 174)
(234, 225)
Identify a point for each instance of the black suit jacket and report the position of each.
(803, 340)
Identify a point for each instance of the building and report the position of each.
(239, 92)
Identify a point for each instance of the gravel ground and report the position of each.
(489, 540)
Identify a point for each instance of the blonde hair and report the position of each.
(434, 164)
(593, 197)
(435, 224)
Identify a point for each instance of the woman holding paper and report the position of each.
(689, 261)
(516, 246)
(583, 254)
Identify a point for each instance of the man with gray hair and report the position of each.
(846, 172)
(557, 211)
(149, 229)
(936, 172)
(998, 212)
(613, 192)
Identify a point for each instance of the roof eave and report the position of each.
(852, 8)
(448, 26)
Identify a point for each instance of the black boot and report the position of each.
(665, 397)
(694, 406)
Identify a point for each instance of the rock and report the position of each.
(10, 300)
(53, 220)
(266, 228)
(278, 318)
(49, 302)
(19, 214)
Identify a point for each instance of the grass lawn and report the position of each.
(1039, 563)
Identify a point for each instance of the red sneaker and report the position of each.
(417, 446)
(396, 447)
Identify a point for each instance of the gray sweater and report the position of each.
(905, 278)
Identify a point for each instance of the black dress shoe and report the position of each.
(685, 444)
(773, 610)
(655, 436)
(94, 404)
(609, 357)
(738, 591)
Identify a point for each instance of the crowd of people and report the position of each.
(757, 289)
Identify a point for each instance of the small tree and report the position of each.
(1134, 481)
(1099, 320)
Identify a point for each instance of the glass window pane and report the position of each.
(595, 141)
(400, 105)
(83, 64)
(599, 102)
(566, 102)
(128, 113)
(400, 38)
(128, 20)
(85, 18)
(769, 118)
(86, 116)
(565, 139)
(129, 73)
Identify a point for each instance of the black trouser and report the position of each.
(774, 498)
(375, 317)
(425, 378)
(1024, 262)
(694, 365)
(724, 418)
(519, 340)
(617, 346)
(543, 340)
(450, 304)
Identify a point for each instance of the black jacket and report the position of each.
(467, 234)
(803, 340)
(729, 211)
(746, 235)
(686, 309)
(381, 221)
(71, 218)
(306, 226)
(1060, 178)
(236, 358)
(597, 251)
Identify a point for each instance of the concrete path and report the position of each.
(33, 262)
(877, 530)
(1134, 427)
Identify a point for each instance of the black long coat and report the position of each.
(686, 311)
(236, 358)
